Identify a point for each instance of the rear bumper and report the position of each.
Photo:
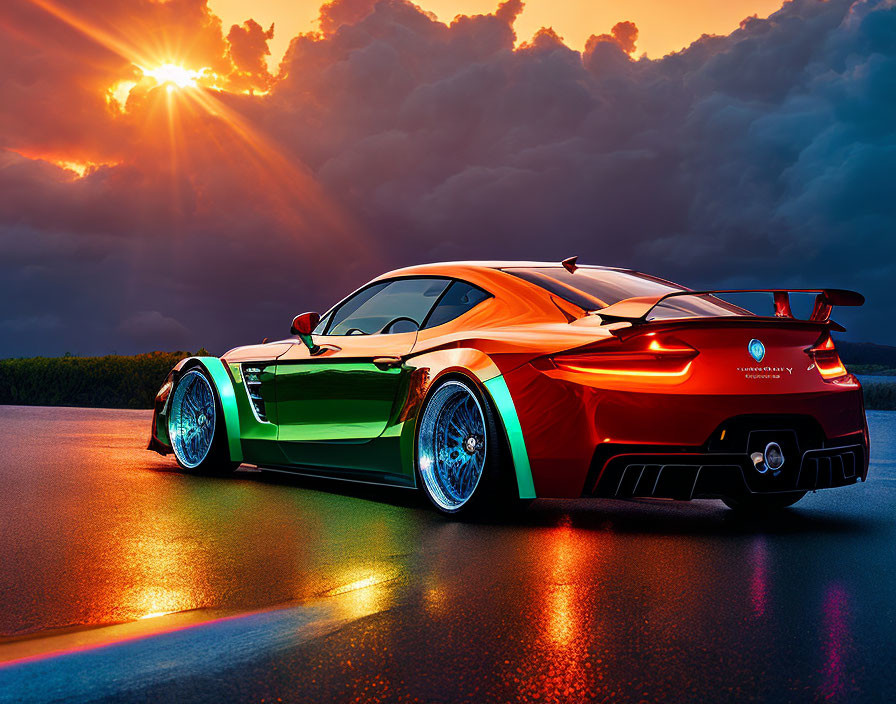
(580, 439)
(706, 475)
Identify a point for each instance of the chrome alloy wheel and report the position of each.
(191, 421)
(451, 445)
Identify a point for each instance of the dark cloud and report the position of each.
(149, 328)
(761, 158)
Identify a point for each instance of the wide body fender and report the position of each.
(426, 370)
(159, 440)
(430, 367)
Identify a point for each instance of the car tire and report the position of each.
(196, 428)
(460, 452)
(763, 503)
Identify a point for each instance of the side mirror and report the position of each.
(302, 325)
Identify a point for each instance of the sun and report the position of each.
(172, 75)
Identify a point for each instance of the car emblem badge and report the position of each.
(756, 350)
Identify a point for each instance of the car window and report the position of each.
(322, 325)
(348, 307)
(458, 299)
(595, 288)
(372, 309)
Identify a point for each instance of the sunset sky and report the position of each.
(175, 174)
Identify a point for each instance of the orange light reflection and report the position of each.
(568, 618)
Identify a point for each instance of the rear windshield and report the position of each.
(592, 288)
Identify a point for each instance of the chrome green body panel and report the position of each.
(343, 417)
(334, 401)
(500, 394)
(348, 418)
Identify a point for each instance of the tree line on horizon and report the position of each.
(112, 381)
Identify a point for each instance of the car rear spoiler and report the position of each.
(636, 310)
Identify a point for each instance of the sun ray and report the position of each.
(302, 201)
(120, 46)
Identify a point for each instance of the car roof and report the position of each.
(461, 267)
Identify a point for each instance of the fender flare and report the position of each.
(226, 393)
(503, 402)
(483, 371)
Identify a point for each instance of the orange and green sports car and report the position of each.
(486, 384)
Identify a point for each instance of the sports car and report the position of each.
(488, 384)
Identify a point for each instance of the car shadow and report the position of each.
(699, 517)
(397, 496)
(636, 516)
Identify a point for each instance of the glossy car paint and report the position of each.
(347, 412)
(342, 393)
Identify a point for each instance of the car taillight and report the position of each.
(648, 357)
(824, 355)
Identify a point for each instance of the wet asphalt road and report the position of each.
(121, 578)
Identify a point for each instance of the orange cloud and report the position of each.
(248, 49)
(625, 34)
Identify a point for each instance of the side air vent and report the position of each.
(252, 379)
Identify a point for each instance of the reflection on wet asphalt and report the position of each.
(314, 591)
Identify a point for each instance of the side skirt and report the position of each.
(373, 461)
(345, 475)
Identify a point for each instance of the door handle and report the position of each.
(387, 362)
